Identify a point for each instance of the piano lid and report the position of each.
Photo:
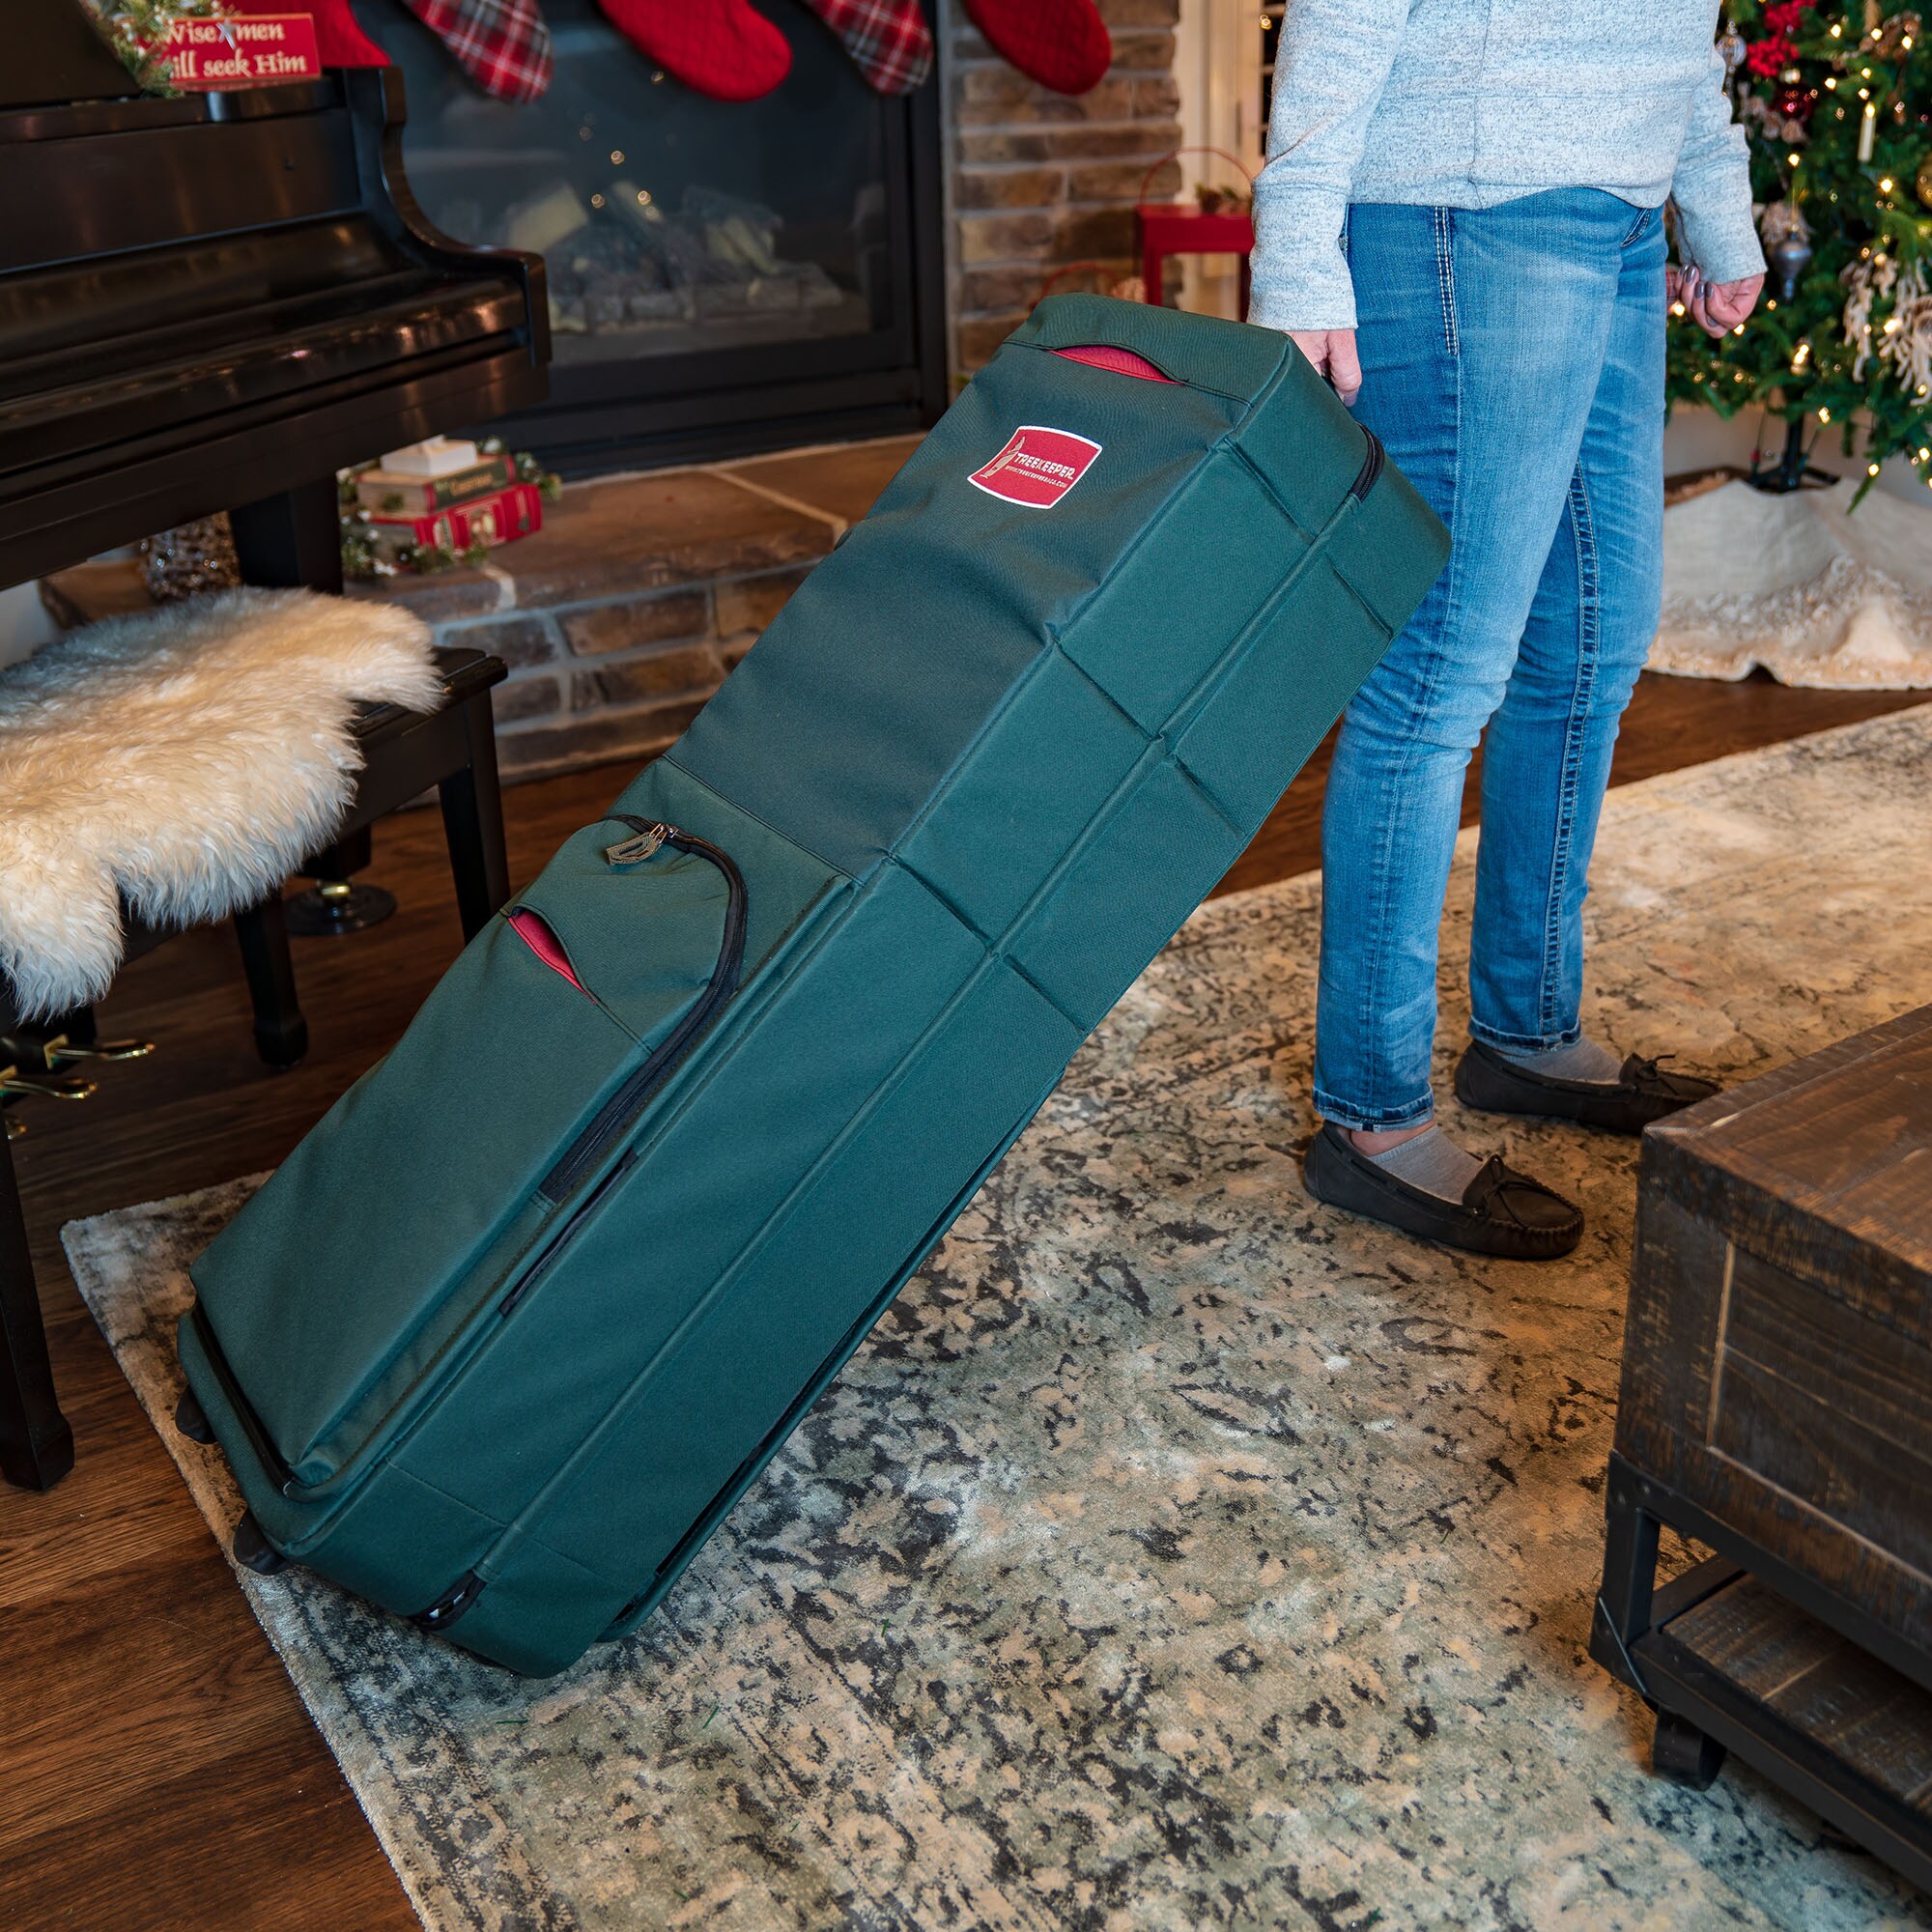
(56, 53)
(210, 302)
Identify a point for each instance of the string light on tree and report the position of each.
(1844, 338)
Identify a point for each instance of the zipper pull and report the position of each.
(642, 846)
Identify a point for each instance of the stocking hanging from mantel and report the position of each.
(503, 45)
(725, 48)
(888, 39)
(1061, 44)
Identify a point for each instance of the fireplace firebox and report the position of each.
(724, 277)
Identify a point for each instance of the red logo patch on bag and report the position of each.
(1037, 466)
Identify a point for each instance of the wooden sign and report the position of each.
(260, 50)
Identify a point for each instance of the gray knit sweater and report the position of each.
(1466, 104)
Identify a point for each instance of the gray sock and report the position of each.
(1433, 1162)
(1580, 1060)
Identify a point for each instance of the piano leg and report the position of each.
(473, 820)
(293, 541)
(35, 1444)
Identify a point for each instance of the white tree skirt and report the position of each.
(1816, 595)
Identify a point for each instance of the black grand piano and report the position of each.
(215, 303)
(212, 303)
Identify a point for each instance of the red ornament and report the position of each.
(1783, 18)
(1769, 57)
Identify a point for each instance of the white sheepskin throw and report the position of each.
(184, 761)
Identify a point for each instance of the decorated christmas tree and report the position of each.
(1837, 100)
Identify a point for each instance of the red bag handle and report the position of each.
(1122, 361)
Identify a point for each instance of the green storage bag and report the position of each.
(507, 1335)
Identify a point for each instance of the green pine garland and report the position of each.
(138, 29)
(1811, 70)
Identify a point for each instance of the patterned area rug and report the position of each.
(1178, 1553)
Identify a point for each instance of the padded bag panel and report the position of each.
(728, 1160)
(435, 1155)
(860, 698)
(1047, 766)
(713, 1402)
(1206, 572)
(1275, 702)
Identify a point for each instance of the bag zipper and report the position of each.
(619, 1112)
(611, 1118)
(252, 1425)
(1372, 466)
(561, 1240)
(649, 837)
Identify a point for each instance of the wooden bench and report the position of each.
(452, 749)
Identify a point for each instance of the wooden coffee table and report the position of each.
(1777, 1407)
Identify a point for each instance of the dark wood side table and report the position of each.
(1777, 1407)
(453, 750)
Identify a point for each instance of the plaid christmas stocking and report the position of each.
(339, 41)
(887, 39)
(1061, 44)
(503, 45)
(723, 47)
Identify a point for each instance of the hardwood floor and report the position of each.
(160, 1775)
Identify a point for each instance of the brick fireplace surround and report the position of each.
(627, 611)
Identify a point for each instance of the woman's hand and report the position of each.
(1716, 307)
(1332, 351)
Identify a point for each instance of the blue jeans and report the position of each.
(1513, 363)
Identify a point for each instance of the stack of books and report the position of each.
(448, 495)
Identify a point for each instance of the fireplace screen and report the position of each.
(723, 277)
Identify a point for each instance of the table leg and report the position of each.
(1630, 1577)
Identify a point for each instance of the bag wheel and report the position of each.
(1684, 1754)
(191, 1420)
(253, 1550)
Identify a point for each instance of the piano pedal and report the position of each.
(15, 1086)
(337, 906)
(62, 1051)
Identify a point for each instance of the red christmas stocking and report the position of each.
(1061, 44)
(723, 47)
(503, 45)
(339, 41)
(887, 39)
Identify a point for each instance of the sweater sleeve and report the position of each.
(1712, 187)
(1331, 64)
